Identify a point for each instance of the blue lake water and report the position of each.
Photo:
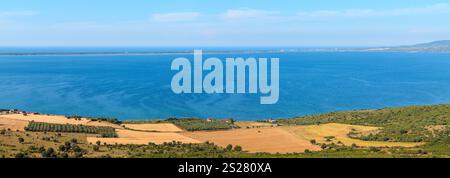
(138, 86)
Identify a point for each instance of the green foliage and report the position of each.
(149, 121)
(108, 132)
(178, 150)
(195, 124)
(49, 153)
(103, 119)
(407, 124)
(190, 124)
(21, 155)
(96, 148)
(237, 148)
(229, 147)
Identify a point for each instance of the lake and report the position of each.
(138, 86)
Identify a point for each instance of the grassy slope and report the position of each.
(430, 124)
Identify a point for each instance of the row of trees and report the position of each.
(194, 124)
(48, 127)
(103, 119)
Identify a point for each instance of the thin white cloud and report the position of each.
(241, 14)
(351, 13)
(4, 14)
(175, 17)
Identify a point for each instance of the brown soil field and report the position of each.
(340, 131)
(13, 124)
(270, 139)
(162, 127)
(57, 120)
(139, 137)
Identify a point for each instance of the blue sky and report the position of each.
(222, 23)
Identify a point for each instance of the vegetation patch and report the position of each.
(107, 132)
(99, 119)
(407, 124)
(195, 124)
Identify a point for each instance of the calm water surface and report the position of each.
(138, 86)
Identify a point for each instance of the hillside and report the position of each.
(435, 46)
(442, 43)
(429, 124)
(416, 131)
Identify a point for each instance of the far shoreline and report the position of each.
(237, 120)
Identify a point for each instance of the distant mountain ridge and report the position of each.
(434, 46)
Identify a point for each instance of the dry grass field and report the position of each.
(139, 137)
(13, 124)
(270, 139)
(160, 127)
(339, 132)
(252, 136)
(9, 144)
(249, 124)
(57, 120)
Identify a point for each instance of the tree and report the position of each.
(76, 148)
(41, 149)
(21, 140)
(62, 148)
(229, 147)
(98, 142)
(20, 155)
(49, 153)
(96, 148)
(64, 155)
(74, 140)
(78, 155)
(237, 148)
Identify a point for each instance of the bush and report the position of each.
(96, 148)
(20, 155)
(49, 153)
(64, 155)
(237, 148)
(374, 149)
(78, 155)
(229, 147)
(74, 140)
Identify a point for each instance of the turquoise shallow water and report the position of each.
(138, 86)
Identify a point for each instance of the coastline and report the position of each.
(281, 51)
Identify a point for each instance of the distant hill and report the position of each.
(435, 46)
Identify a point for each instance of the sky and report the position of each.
(222, 23)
